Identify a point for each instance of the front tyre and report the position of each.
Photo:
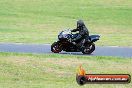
(56, 47)
(89, 49)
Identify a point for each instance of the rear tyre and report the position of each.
(89, 49)
(56, 47)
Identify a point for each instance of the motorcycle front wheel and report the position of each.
(56, 47)
(89, 49)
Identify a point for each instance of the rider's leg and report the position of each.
(78, 37)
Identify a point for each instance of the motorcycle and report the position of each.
(65, 43)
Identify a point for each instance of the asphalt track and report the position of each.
(45, 48)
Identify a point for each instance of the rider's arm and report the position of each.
(74, 30)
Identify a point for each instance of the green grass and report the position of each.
(56, 70)
(39, 21)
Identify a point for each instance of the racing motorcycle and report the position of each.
(65, 43)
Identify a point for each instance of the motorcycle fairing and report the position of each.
(94, 38)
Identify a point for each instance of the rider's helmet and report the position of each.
(80, 23)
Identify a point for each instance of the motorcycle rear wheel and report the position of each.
(56, 47)
(89, 49)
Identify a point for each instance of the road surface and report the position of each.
(45, 48)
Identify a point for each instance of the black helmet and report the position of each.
(80, 23)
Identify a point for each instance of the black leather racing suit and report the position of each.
(83, 32)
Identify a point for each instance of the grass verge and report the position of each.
(39, 21)
(57, 71)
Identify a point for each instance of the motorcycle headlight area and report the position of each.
(60, 36)
(64, 36)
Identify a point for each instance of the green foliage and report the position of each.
(39, 21)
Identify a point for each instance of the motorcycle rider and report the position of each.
(83, 32)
